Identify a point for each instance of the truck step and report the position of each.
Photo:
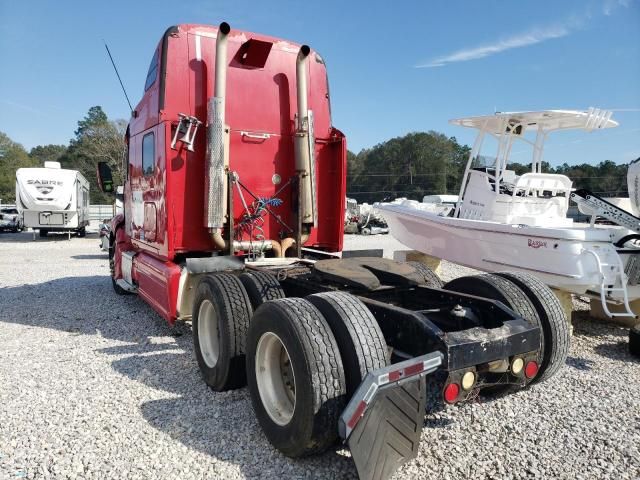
(123, 284)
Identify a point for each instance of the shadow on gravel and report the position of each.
(221, 425)
(86, 305)
(585, 325)
(98, 256)
(27, 237)
(616, 351)
(580, 363)
(431, 421)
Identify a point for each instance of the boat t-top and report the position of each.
(504, 221)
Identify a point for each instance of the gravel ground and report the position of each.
(93, 385)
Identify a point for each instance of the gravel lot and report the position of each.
(93, 385)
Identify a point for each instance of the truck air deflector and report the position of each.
(383, 421)
(171, 31)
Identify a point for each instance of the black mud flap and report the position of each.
(383, 421)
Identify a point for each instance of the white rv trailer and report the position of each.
(52, 199)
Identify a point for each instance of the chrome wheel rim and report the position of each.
(208, 333)
(275, 378)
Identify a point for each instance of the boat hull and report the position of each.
(559, 257)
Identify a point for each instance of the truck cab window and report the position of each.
(152, 73)
(148, 154)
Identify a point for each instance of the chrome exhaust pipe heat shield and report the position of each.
(304, 142)
(217, 156)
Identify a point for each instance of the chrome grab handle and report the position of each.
(257, 136)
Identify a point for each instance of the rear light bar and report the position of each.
(384, 378)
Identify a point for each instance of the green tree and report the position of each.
(354, 168)
(47, 153)
(97, 139)
(12, 156)
(606, 178)
(411, 166)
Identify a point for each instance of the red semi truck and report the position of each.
(233, 220)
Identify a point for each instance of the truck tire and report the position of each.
(261, 287)
(220, 318)
(82, 232)
(553, 321)
(492, 286)
(634, 340)
(357, 333)
(43, 232)
(430, 277)
(295, 376)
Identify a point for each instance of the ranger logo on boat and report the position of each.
(536, 243)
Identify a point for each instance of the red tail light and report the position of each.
(531, 369)
(451, 392)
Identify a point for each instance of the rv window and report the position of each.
(152, 73)
(148, 154)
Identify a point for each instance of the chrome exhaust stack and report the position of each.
(304, 145)
(217, 156)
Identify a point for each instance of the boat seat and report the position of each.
(528, 205)
(534, 211)
(510, 177)
(523, 202)
(550, 182)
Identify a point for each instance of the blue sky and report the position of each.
(394, 67)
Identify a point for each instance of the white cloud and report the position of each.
(22, 106)
(531, 37)
(610, 5)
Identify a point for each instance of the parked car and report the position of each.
(10, 219)
(104, 232)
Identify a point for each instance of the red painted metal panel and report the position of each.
(150, 221)
(260, 101)
(332, 178)
(147, 192)
(146, 112)
(157, 284)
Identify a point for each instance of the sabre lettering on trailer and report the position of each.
(536, 243)
(44, 182)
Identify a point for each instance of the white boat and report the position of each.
(505, 221)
